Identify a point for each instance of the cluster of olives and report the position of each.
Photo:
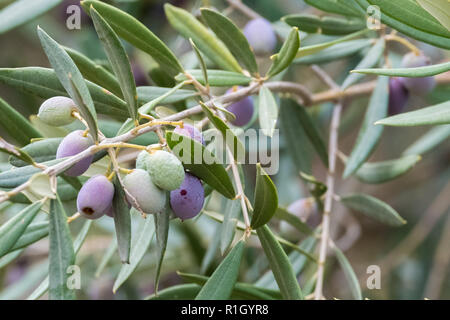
(401, 88)
(157, 172)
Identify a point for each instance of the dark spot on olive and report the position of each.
(183, 192)
(88, 210)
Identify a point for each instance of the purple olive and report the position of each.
(95, 197)
(261, 36)
(398, 96)
(242, 109)
(187, 201)
(73, 144)
(417, 86)
(190, 131)
(110, 211)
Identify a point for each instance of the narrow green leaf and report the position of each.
(22, 11)
(234, 144)
(119, 61)
(280, 265)
(186, 291)
(371, 59)
(137, 34)
(217, 78)
(33, 233)
(189, 27)
(429, 140)
(40, 150)
(268, 111)
(139, 245)
(293, 220)
(193, 155)
(335, 52)
(418, 72)
(44, 83)
(14, 228)
(297, 260)
(94, 72)
(241, 289)
(19, 128)
(162, 221)
(221, 283)
(211, 251)
(79, 240)
(342, 7)
(71, 79)
(61, 253)
(13, 151)
(434, 115)
(201, 62)
(230, 219)
(287, 53)
(305, 51)
(349, 273)
(440, 9)
(379, 172)
(106, 257)
(147, 94)
(291, 128)
(266, 199)
(411, 19)
(373, 208)
(312, 132)
(241, 226)
(14, 177)
(232, 37)
(369, 134)
(325, 25)
(122, 222)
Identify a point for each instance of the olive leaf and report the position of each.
(136, 33)
(440, 9)
(266, 199)
(21, 11)
(232, 37)
(189, 27)
(140, 241)
(16, 125)
(94, 72)
(434, 115)
(71, 79)
(349, 273)
(40, 151)
(217, 78)
(418, 72)
(287, 53)
(221, 283)
(373, 208)
(411, 19)
(122, 221)
(325, 25)
(13, 229)
(162, 222)
(268, 111)
(17, 153)
(280, 265)
(193, 154)
(369, 134)
(119, 61)
(429, 140)
(44, 83)
(61, 253)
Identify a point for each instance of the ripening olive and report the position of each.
(74, 143)
(95, 197)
